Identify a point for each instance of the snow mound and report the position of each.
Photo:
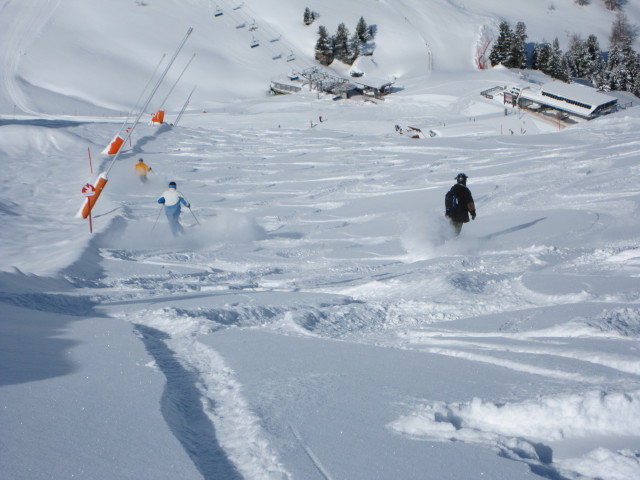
(517, 430)
(624, 321)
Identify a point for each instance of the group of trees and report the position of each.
(309, 16)
(610, 4)
(343, 46)
(619, 70)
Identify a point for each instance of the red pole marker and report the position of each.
(89, 191)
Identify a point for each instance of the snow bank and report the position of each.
(519, 428)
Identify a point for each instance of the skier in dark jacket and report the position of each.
(460, 205)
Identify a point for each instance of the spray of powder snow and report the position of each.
(429, 234)
(200, 232)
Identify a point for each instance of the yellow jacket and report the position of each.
(142, 168)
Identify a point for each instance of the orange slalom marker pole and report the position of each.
(91, 201)
(114, 146)
(158, 117)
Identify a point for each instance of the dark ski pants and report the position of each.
(457, 226)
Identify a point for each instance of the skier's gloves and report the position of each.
(188, 205)
(473, 215)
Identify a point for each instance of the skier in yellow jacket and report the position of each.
(142, 169)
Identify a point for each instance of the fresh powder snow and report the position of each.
(318, 319)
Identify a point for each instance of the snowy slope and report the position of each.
(317, 321)
(103, 60)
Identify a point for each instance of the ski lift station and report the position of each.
(565, 98)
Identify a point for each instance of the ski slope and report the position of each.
(317, 321)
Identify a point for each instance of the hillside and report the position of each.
(318, 319)
(123, 41)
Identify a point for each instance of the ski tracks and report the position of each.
(19, 33)
(203, 403)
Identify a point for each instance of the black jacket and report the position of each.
(464, 197)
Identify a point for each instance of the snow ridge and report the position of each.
(200, 385)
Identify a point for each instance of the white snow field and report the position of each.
(318, 320)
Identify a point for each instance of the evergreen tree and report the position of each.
(500, 51)
(341, 44)
(595, 63)
(621, 30)
(582, 2)
(613, 4)
(534, 57)
(362, 31)
(556, 65)
(543, 55)
(621, 67)
(636, 82)
(324, 47)
(622, 64)
(307, 17)
(517, 56)
(577, 57)
(356, 48)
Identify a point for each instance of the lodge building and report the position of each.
(567, 98)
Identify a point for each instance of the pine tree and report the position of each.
(622, 64)
(595, 62)
(621, 30)
(543, 55)
(556, 65)
(356, 48)
(517, 56)
(341, 44)
(636, 82)
(577, 57)
(534, 57)
(324, 47)
(613, 4)
(307, 17)
(500, 51)
(362, 31)
(621, 67)
(582, 2)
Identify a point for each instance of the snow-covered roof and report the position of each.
(569, 97)
(578, 92)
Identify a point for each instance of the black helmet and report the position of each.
(140, 160)
(461, 178)
(172, 185)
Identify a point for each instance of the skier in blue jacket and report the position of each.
(172, 199)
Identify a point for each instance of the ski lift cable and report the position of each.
(177, 80)
(137, 104)
(153, 92)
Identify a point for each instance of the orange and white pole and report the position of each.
(95, 190)
(102, 178)
(89, 191)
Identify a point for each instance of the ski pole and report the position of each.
(154, 223)
(194, 216)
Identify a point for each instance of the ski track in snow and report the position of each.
(23, 29)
